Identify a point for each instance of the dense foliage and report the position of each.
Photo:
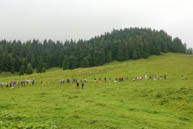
(189, 51)
(130, 43)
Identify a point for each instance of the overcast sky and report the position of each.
(74, 19)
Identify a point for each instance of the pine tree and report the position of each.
(130, 43)
(29, 69)
(25, 64)
(85, 62)
(40, 65)
(22, 70)
(12, 69)
(65, 64)
(134, 54)
(108, 57)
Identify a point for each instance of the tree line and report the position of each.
(189, 51)
(120, 45)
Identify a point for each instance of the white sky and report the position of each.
(74, 19)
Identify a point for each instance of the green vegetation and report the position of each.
(143, 104)
(120, 45)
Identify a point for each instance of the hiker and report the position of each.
(7, 84)
(77, 84)
(145, 77)
(82, 85)
(32, 82)
(75, 80)
(24, 82)
(10, 83)
(165, 77)
(105, 79)
(14, 83)
(120, 79)
(27, 82)
(68, 80)
(85, 81)
(95, 80)
(154, 78)
(61, 82)
(21, 83)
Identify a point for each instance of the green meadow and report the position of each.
(141, 104)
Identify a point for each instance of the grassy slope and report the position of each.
(161, 104)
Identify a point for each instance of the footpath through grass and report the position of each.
(142, 104)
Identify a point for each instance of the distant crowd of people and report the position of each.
(146, 77)
(117, 79)
(82, 82)
(13, 83)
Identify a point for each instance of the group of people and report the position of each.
(146, 77)
(8, 84)
(82, 82)
(12, 84)
(117, 79)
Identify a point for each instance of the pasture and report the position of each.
(142, 104)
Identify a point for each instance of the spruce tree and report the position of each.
(65, 64)
(40, 65)
(22, 70)
(85, 62)
(29, 69)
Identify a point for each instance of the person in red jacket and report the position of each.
(10, 83)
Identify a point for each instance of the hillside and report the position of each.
(118, 45)
(141, 104)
